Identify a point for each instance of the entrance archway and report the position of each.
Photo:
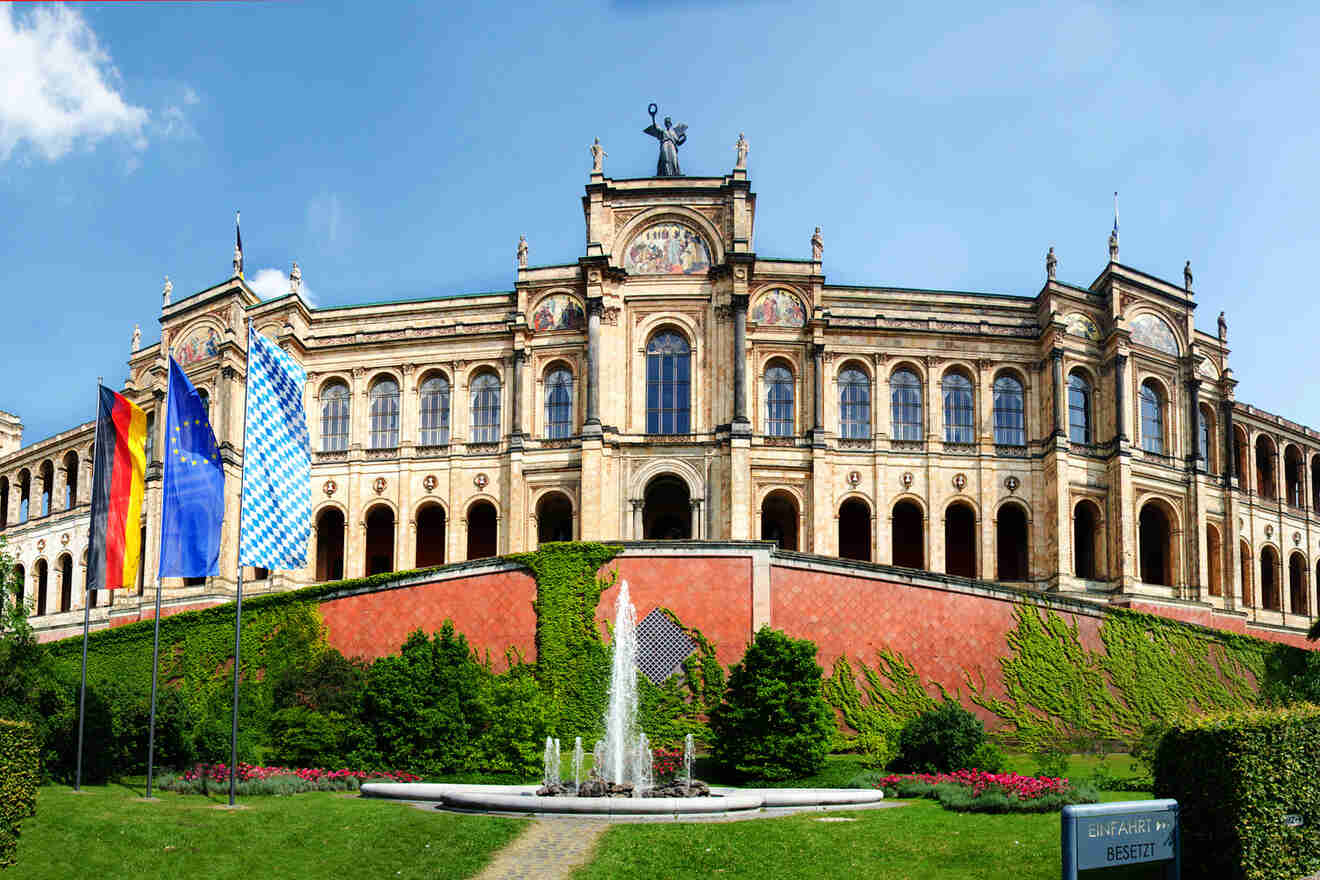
(330, 545)
(959, 540)
(779, 520)
(1156, 545)
(380, 540)
(1086, 537)
(1297, 583)
(855, 530)
(1011, 543)
(483, 531)
(909, 535)
(667, 509)
(554, 518)
(1270, 596)
(430, 535)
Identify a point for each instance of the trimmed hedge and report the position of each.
(18, 784)
(1238, 778)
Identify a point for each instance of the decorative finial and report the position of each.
(522, 252)
(1187, 276)
(597, 155)
(238, 248)
(295, 278)
(1051, 264)
(169, 288)
(817, 245)
(137, 337)
(671, 137)
(1223, 328)
(1113, 236)
(741, 147)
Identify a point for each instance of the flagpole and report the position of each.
(87, 612)
(238, 603)
(155, 639)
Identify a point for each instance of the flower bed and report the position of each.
(665, 764)
(976, 791)
(205, 778)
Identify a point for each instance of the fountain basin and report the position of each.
(522, 799)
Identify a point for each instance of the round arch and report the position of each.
(430, 521)
(677, 214)
(1271, 572)
(1159, 531)
(962, 524)
(666, 509)
(1012, 523)
(643, 476)
(854, 515)
(674, 322)
(781, 511)
(428, 373)
(1297, 590)
(908, 531)
(380, 521)
(556, 515)
(911, 366)
(481, 518)
(963, 368)
(1011, 372)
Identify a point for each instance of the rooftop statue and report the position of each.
(597, 155)
(671, 137)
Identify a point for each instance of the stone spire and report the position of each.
(295, 279)
(1113, 236)
(1051, 264)
(168, 289)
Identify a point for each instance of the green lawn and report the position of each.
(108, 833)
(919, 840)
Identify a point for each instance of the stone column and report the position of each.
(516, 428)
(1120, 418)
(818, 394)
(698, 522)
(637, 518)
(1056, 371)
(1195, 460)
(595, 306)
(740, 421)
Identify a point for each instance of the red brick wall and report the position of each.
(940, 633)
(711, 593)
(493, 610)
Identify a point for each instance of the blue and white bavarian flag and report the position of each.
(277, 461)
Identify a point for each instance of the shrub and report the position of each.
(773, 722)
(18, 784)
(987, 757)
(944, 738)
(877, 749)
(1051, 758)
(1236, 777)
(511, 723)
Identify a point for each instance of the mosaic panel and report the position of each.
(667, 249)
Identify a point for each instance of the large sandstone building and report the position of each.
(672, 383)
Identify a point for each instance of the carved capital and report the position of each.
(610, 316)
(595, 306)
(738, 302)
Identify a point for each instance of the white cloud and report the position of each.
(272, 283)
(60, 86)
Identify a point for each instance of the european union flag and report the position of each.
(193, 501)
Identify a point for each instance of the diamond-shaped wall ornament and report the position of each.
(662, 646)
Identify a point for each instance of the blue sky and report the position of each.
(397, 151)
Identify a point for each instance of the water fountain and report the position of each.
(621, 780)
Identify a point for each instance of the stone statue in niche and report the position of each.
(671, 137)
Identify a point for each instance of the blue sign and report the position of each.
(1098, 836)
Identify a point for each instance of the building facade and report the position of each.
(673, 383)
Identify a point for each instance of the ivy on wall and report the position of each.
(1054, 688)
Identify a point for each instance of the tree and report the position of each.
(773, 722)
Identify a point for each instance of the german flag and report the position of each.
(120, 460)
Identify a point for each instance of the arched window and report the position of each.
(1265, 467)
(1297, 583)
(905, 397)
(1214, 561)
(70, 480)
(486, 408)
(1152, 418)
(334, 418)
(958, 409)
(434, 404)
(1271, 598)
(558, 403)
(1086, 539)
(24, 495)
(1155, 534)
(1079, 409)
(854, 405)
(47, 487)
(151, 437)
(1203, 446)
(1293, 475)
(20, 581)
(384, 402)
(4, 502)
(1247, 570)
(778, 401)
(42, 577)
(668, 384)
(1010, 421)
